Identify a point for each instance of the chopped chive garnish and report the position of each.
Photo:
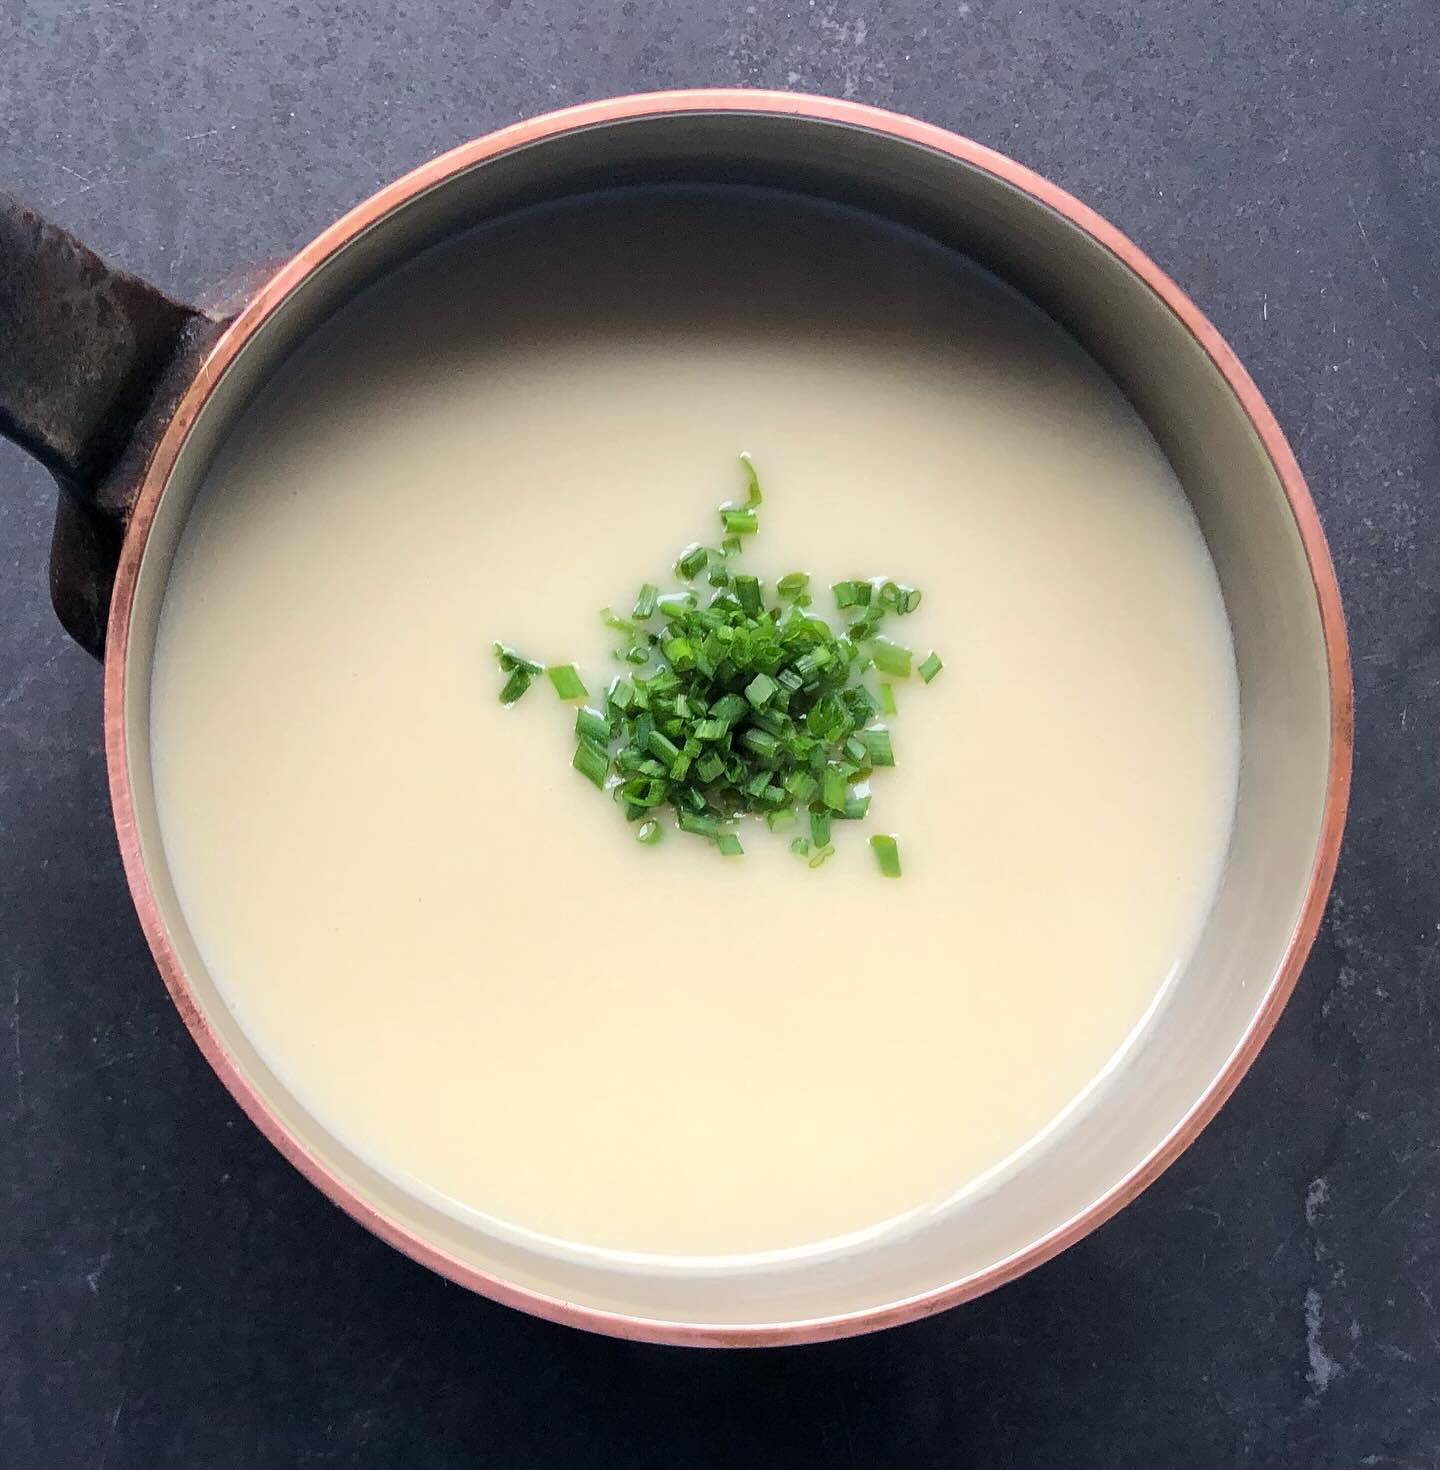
(887, 854)
(593, 764)
(930, 667)
(518, 682)
(737, 706)
(591, 725)
(568, 683)
(890, 658)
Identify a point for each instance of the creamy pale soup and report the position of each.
(449, 945)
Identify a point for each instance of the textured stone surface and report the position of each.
(171, 1294)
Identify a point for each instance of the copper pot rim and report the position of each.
(904, 129)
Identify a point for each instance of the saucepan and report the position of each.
(126, 395)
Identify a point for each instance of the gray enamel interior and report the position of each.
(1263, 572)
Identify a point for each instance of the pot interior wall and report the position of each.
(1264, 577)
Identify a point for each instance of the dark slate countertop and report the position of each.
(173, 1295)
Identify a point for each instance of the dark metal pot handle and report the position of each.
(91, 360)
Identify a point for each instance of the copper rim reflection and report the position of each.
(907, 130)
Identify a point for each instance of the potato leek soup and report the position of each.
(450, 945)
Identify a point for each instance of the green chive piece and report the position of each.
(887, 699)
(887, 854)
(620, 696)
(777, 821)
(761, 690)
(645, 602)
(930, 666)
(510, 660)
(611, 619)
(740, 522)
(691, 561)
(851, 594)
(730, 546)
(747, 589)
(568, 683)
(593, 764)
(792, 584)
(698, 823)
(709, 768)
(591, 725)
(680, 652)
(729, 708)
(832, 788)
(518, 682)
(821, 853)
(762, 742)
(648, 832)
(801, 785)
(729, 845)
(890, 658)
(877, 745)
(820, 828)
(662, 748)
(675, 604)
(752, 480)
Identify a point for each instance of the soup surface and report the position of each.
(449, 946)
